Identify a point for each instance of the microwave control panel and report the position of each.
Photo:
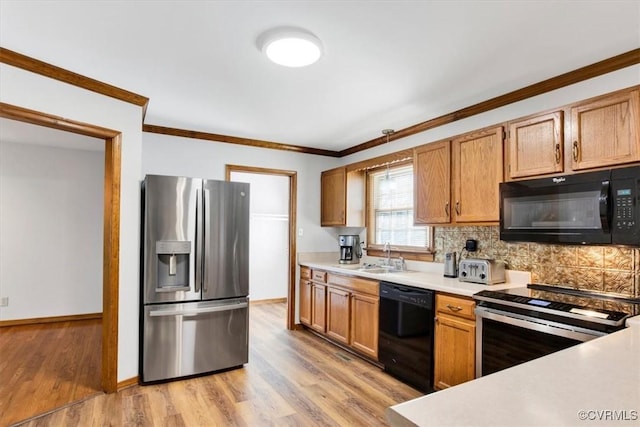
(626, 210)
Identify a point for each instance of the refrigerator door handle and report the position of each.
(197, 311)
(207, 240)
(198, 244)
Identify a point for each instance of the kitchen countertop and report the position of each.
(593, 383)
(429, 277)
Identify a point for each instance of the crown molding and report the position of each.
(236, 140)
(609, 65)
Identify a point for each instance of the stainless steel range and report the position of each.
(522, 324)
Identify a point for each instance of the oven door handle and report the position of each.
(534, 325)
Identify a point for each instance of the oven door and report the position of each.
(506, 339)
(567, 209)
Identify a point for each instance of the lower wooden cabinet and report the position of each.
(318, 307)
(455, 341)
(305, 302)
(345, 310)
(364, 324)
(338, 313)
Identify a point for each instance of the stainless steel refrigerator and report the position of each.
(194, 314)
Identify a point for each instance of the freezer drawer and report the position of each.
(185, 339)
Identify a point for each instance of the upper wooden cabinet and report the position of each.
(535, 146)
(604, 131)
(471, 165)
(432, 183)
(477, 173)
(342, 198)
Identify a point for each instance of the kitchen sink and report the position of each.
(382, 270)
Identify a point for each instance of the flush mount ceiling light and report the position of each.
(290, 46)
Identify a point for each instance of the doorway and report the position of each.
(111, 226)
(233, 171)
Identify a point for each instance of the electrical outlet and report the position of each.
(300, 232)
(4, 302)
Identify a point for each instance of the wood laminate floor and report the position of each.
(46, 366)
(293, 378)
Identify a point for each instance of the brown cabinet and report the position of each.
(338, 313)
(312, 299)
(535, 146)
(604, 131)
(364, 324)
(455, 337)
(432, 183)
(477, 173)
(345, 310)
(305, 302)
(318, 307)
(342, 198)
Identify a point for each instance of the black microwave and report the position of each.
(601, 207)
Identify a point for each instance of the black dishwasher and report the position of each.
(405, 345)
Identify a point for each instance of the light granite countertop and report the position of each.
(593, 383)
(421, 275)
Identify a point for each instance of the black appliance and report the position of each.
(405, 344)
(600, 207)
(518, 325)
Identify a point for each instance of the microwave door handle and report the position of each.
(605, 208)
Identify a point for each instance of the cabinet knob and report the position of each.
(575, 150)
(558, 153)
(446, 209)
(458, 207)
(453, 307)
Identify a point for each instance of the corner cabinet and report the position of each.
(342, 198)
(535, 146)
(432, 183)
(455, 341)
(604, 131)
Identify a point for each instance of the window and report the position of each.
(391, 210)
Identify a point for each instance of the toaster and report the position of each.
(483, 271)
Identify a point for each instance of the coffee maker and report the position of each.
(350, 250)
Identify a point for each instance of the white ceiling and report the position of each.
(387, 64)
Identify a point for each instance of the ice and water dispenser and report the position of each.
(173, 265)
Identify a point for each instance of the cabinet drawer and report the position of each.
(455, 306)
(357, 284)
(319, 276)
(305, 273)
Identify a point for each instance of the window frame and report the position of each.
(374, 249)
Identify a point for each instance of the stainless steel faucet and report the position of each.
(387, 249)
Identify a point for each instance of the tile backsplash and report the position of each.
(595, 268)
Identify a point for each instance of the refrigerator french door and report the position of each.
(195, 277)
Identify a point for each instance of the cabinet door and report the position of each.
(605, 132)
(432, 183)
(535, 146)
(305, 302)
(364, 324)
(338, 314)
(478, 171)
(455, 349)
(333, 198)
(318, 307)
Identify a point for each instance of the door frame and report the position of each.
(111, 225)
(293, 192)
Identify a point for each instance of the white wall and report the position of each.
(169, 155)
(269, 234)
(38, 93)
(51, 209)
